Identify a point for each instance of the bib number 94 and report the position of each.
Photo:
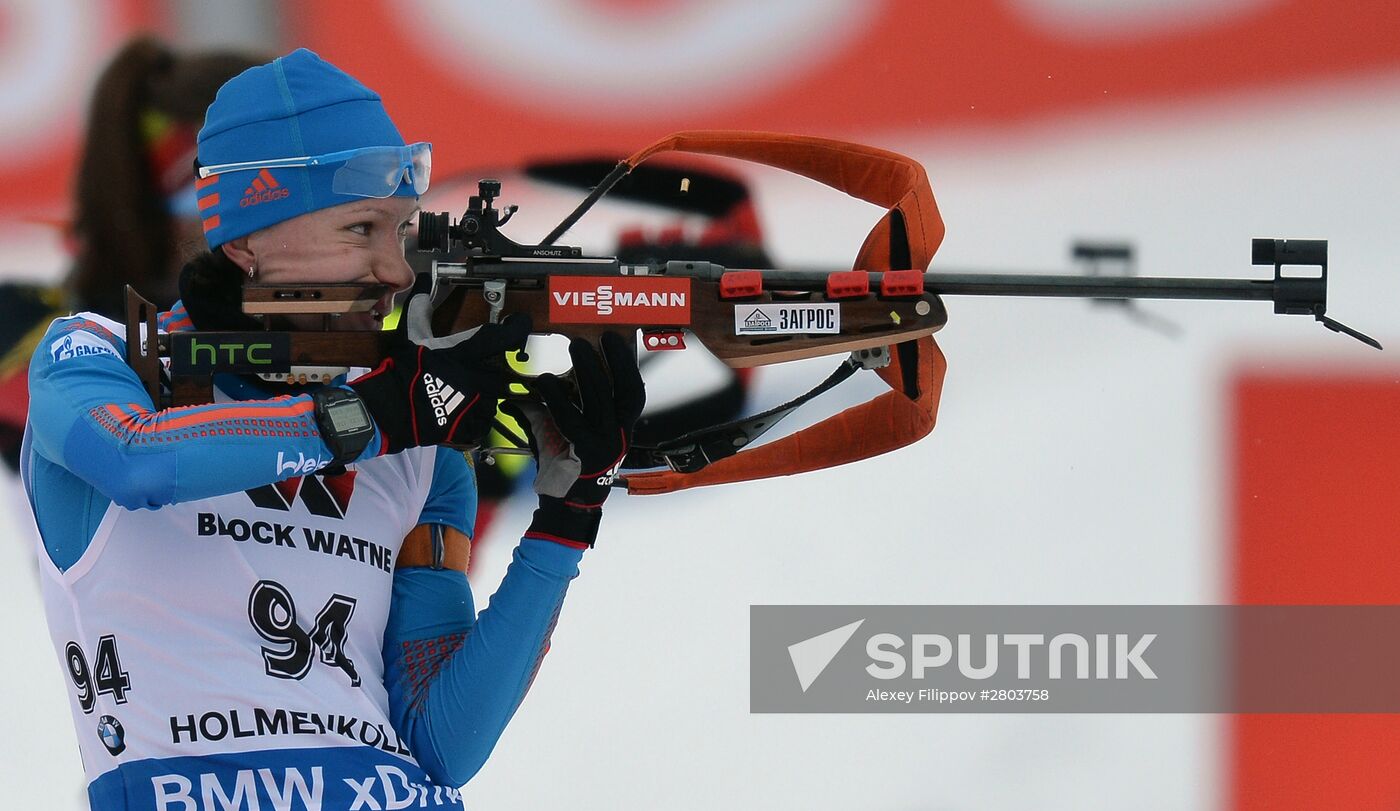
(105, 677)
(273, 613)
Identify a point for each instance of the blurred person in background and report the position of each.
(134, 215)
(263, 600)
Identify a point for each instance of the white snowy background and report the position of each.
(1077, 459)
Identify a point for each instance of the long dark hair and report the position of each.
(123, 231)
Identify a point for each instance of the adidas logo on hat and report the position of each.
(263, 189)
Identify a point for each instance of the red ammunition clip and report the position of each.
(740, 284)
(848, 284)
(902, 283)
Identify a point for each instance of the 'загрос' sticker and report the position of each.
(787, 319)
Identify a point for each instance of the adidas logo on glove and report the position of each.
(443, 398)
(610, 475)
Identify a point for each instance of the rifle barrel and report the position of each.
(1029, 284)
(1052, 285)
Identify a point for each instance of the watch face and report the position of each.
(348, 417)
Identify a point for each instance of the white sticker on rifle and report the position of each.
(787, 319)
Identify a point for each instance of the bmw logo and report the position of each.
(109, 731)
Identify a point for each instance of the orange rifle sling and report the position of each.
(891, 420)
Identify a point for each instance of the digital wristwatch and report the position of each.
(345, 424)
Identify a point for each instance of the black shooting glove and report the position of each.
(440, 391)
(580, 441)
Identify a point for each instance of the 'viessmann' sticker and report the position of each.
(787, 319)
(649, 301)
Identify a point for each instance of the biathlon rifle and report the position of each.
(882, 315)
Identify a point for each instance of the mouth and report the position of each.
(371, 319)
(382, 308)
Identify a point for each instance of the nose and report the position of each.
(391, 268)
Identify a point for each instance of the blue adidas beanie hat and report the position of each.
(296, 105)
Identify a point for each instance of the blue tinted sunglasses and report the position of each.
(372, 171)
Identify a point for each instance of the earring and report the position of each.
(252, 271)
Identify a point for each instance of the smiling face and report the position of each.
(357, 242)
